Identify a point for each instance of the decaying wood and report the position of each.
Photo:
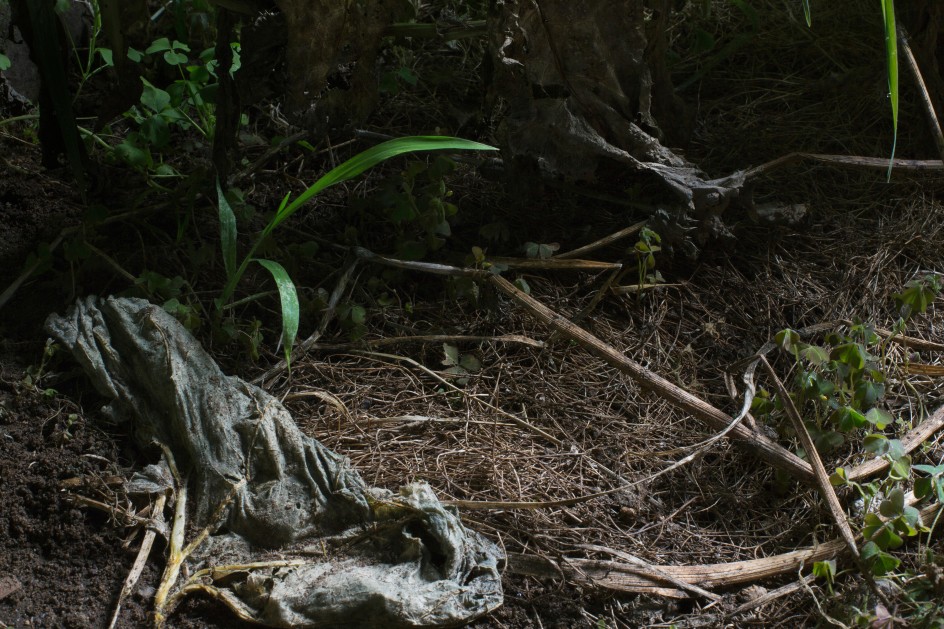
(612, 575)
(620, 577)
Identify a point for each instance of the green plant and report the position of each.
(839, 388)
(460, 365)
(645, 250)
(343, 172)
(415, 203)
(187, 103)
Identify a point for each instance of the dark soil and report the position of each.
(61, 565)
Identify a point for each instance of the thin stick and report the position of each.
(922, 90)
(428, 338)
(603, 242)
(767, 449)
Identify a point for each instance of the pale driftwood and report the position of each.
(869, 163)
(767, 449)
(612, 575)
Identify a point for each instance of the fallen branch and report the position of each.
(767, 449)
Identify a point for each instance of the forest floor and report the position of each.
(382, 399)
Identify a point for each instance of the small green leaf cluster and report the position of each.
(186, 103)
(460, 365)
(415, 203)
(838, 386)
(645, 250)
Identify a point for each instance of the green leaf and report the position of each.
(839, 477)
(470, 363)
(814, 354)
(154, 98)
(369, 158)
(807, 14)
(452, 354)
(879, 418)
(852, 354)
(825, 569)
(876, 444)
(788, 340)
(290, 311)
(891, 60)
(227, 232)
(106, 55)
(893, 504)
(174, 58)
(900, 468)
(159, 45)
(4, 62)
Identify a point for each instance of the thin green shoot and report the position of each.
(891, 59)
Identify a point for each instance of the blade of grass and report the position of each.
(348, 170)
(371, 157)
(807, 14)
(227, 232)
(290, 311)
(891, 59)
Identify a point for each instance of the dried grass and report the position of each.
(789, 89)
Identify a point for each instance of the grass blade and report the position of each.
(289, 298)
(371, 157)
(227, 232)
(807, 14)
(891, 58)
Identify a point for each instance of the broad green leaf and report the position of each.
(814, 354)
(892, 505)
(106, 55)
(154, 98)
(470, 363)
(452, 354)
(371, 157)
(227, 232)
(891, 60)
(289, 298)
(825, 569)
(879, 417)
(900, 468)
(876, 444)
(4, 62)
(852, 354)
(839, 477)
(159, 45)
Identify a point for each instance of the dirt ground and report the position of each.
(65, 548)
